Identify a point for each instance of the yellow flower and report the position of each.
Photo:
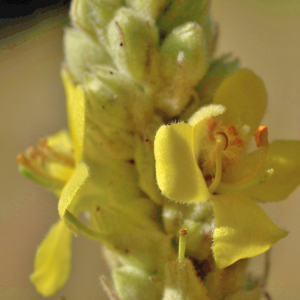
(207, 159)
(56, 164)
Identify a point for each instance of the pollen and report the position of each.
(261, 136)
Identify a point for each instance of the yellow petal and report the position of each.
(70, 190)
(244, 95)
(60, 141)
(242, 229)
(177, 172)
(283, 157)
(76, 113)
(53, 261)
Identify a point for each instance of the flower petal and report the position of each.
(76, 113)
(70, 190)
(53, 260)
(60, 142)
(284, 158)
(242, 229)
(244, 95)
(178, 175)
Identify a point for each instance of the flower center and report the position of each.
(255, 177)
(34, 163)
(235, 146)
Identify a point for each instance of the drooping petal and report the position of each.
(284, 158)
(53, 260)
(244, 95)
(242, 229)
(76, 113)
(68, 196)
(178, 175)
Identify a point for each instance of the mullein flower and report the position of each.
(56, 164)
(206, 159)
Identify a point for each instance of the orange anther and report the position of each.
(225, 136)
(211, 124)
(261, 136)
(21, 159)
(231, 129)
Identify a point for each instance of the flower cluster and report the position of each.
(151, 110)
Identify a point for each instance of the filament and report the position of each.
(221, 145)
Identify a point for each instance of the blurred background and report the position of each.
(264, 34)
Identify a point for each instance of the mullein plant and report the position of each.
(165, 158)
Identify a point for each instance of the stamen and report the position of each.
(50, 153)
(240, 185)
(182, 243)
(221, 145)
(31, 168)
(256, 177)
(261, 137)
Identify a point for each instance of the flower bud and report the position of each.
(82, 52)
(180, 12)
(188, 40)
(92, 14)
(149, 8)
(131, 39)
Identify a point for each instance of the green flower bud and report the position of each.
(82, 52)
(189, 42)
(135, 284)
(91, 15)
(131, 38)
(184, 63)
(179, 12)
(149, 8)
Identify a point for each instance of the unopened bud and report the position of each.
(185, 47)
(131, 38)
(82, 52)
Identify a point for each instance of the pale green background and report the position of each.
(264, 34)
